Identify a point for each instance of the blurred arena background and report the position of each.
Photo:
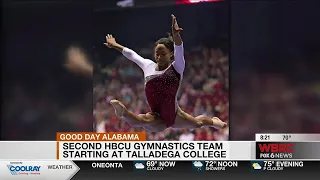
(205, 88)
(274, 68)
(274, 63)
(39, 97)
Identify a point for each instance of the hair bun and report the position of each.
(170, 36)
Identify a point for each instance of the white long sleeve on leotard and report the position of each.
(161, 87)
(179, 62)
(149, 67)
(136, 58)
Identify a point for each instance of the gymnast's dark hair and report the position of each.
(168, 42)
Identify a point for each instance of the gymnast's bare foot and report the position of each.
(218, 124)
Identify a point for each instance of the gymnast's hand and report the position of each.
(77, 62)
(110, 41)
(175, 27)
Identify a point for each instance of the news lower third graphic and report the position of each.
(220, 165)
(213, 165)
(16, 168)
(257, 165)
(153, 165)
(139, 166)
(198, 166)
(107, 165)
(274, 150)
(275, 165)
(38, 169)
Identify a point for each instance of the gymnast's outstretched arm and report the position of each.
(78, 62)
(128, 53)
(179, 61)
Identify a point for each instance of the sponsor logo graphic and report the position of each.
(23, 169)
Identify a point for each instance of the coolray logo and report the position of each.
(33, 170)
(11, 171)
(24, 170)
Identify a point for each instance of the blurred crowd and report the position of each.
(38, 107)
(40, 98)
(205, 90)
(286, 100)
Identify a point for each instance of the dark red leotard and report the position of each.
(161, 87)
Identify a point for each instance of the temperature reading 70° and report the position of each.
(286, 137)
(151, 163)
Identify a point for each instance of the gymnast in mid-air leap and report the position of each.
(162, 83)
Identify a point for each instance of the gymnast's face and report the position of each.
(162, 55)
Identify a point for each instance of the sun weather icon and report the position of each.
(198, 165)
(256, 166)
